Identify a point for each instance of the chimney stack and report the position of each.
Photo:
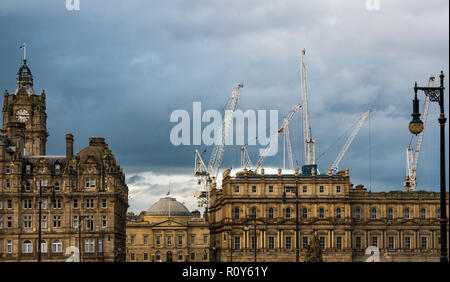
(69, 145)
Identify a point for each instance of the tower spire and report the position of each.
(24, 47)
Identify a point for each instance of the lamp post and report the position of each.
(297, 251)
(436, 94)
(39, 247)
(253, 217)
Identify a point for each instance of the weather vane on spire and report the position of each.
(24, 47)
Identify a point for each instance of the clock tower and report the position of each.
(24, 113)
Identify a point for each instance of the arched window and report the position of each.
(253, 212)
(236, 213)
(357, 213)
(56, 246)
(27, 247)
(423, 213)
(406, 215)
(57, 186)
(321, 213)
(373, 213)
(271, 213)
(287, 212)
(305, 213)
(338, 213)
(390, 213)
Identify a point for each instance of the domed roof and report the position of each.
(164, 205)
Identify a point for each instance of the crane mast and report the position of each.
(310, 154)
(412, 160)
(274, 140)
(334, 166)
(287, 140)
(207, 176)
(245, 159)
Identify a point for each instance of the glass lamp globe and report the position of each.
(416, 126)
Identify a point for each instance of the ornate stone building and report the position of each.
(84, 196)
(167, 232)
(404, 226)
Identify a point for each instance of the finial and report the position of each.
(24, 47)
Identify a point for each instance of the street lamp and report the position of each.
(39, 247)
(283, 200)
(253, 217)
(435, 94)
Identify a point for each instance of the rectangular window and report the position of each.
(169, 240)
(305, 242)
(1, 204)
(270, 189)
(305, 189)
(132, 239)
(104, 203)
(86, 183)
(57, 221)
(100, 245)
(131, 256)
(338, 189)
(8, 246)
(192, 256)
(339, 242)
(288, 243)
(28, 169)
(27, 221)
(358, 243)
(145, 256)
(407, 242)
(104, 221)
(253, 189)
(44, 204)
(9, 222)
(44, 221)
(9, 204)
(322, 242)
(75, 221)
(92, 183)
(391, 242)
(205, 239)
(321, 189)
(75, 203)
(374, 241)
(89, 203)
(8, 169)
(180, 240)
(237, 243)
(253, 243)
(27, 204)
(424, 244)
(271, 242)
(146, 240)
(8, 184)
(58, 203)
(1, 221)
(90, 222)
(158, 240)
(89, 245)
(236, 189)
(192, 239)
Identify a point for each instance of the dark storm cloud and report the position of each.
(119, 68)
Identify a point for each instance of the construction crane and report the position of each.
(411, 161)
(287, 144)
(245, 159)
(359, 124)
(310, 158)
(207, 175)
(274, 140)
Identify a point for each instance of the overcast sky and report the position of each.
(119, 68)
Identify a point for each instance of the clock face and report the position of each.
(22, 115)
